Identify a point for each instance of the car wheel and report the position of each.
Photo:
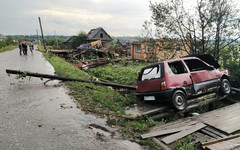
(225, 87)
(179, 100)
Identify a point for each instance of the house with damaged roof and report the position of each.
(98, 34)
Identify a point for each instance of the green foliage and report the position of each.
(135, 128)
(118, 73)
(9, 41)
(230, 59)
(2, 44)
(54, 42)
(183, 144)
(7, 48)
(78, 40)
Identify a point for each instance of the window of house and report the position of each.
(196, 65)
(176, 67)
(179, 48)
(101, 35)
(147, 49)
(138, 48)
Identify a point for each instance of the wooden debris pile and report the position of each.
(91, 63)
(215, 126)
(226, 143)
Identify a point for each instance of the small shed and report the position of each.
(68, 41)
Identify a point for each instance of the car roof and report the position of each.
(169, 60)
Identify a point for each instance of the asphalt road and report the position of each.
(37, 116)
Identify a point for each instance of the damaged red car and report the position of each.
(176, 80)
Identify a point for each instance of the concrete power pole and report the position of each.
(44, 44)
(37, 37)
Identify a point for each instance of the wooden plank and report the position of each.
(172, 138)
(237, 137)
(175, 124)
(210, 134)
(164, 132)
(210, 129)
(154, 110)
(161, 144)
(236, 90)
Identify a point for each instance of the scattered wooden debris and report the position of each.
(171, 138)
(235, 90)
(91, 63)
(161, 144)
(227, 143)
(217, 124)
(54, 77)
(55, 51)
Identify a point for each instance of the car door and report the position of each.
(202, 75)
(178, 76)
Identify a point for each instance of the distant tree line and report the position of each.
(9, 41)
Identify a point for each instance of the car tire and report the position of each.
(179, 100)
(225, 87)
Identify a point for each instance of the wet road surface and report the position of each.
(38, 116)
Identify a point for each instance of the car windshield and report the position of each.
(152, 73)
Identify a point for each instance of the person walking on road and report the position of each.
(31, 47)
(24, 46)
(20, 47)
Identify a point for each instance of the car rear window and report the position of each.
(152, 72)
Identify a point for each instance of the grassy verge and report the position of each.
(90, 96)
(118, 73)
(8, 48)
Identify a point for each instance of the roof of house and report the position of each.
(2, 36)
(68, 39)
(124, 42)
(93, 32)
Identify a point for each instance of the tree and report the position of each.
(210, 26)
(9, 41)
(78, 40)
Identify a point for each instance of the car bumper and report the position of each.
(159, 96)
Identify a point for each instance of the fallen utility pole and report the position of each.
(54, 77)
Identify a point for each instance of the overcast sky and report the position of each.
(69, 17)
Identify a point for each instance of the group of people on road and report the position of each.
(23, 47)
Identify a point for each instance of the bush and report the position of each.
(2, 44)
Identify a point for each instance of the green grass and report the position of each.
(8, 48)
(90, 96)
(118, 73)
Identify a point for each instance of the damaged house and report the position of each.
(98, 34)
(157, 51)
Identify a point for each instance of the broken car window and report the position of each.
(176, 68)
(196, 65)
(151, 73)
